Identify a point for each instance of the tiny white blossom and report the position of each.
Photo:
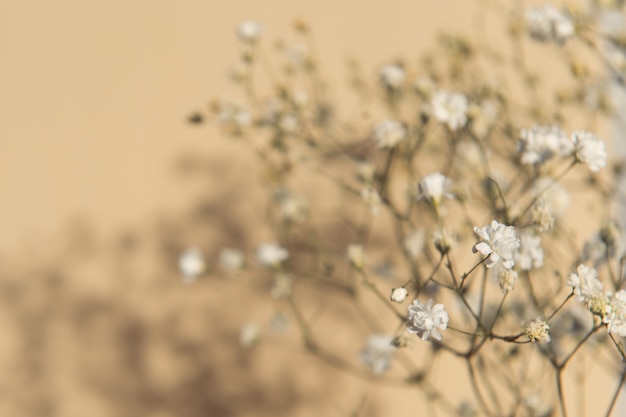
(271, 254)
(249, 31)
(538, 331)
(388, 133)
(589, 149)
(191, 264)
(553, 195)
(589, 290)
(507, 279)
(392, 76)
(365, 172)
(530, 253)
(499, 242)
(541, 143)
(414, 242)
(548, 24)
(398, 295)
(617, 318)
(450, 109)
(434, 188)
(378, 353)
(542, 215)
(444, 240)
(425, 320)
(231, 260)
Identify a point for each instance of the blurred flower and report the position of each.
(553, 194)
(538, 331)
(548, 24)
(414, 242)
(541, 143)
(499, 242)
(271, 254)
(356, 256)
(365, 172)
(617, 317)
(444, 241)
(249, 335)
(529, 255)
(282, 286)
(372, 199)
(589, 149)
(388, 133)
(378, 353)
(450, 109)
(542, 215)
(249, 31)
(507, 279)
(191, 264)
(231, 260)
(425, 320)
(589, 290)
(392, 76)
(398, 295)
(434, 187)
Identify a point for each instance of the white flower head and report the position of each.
(507, 279)
(530, 253)
(293, 208)
(249, 31)
(542, 215)
(425, 320)
(365, 172)
(191, 264)
(538, 331)
(450, 109)
(414, 242)
(553, 195)
(392, 76)
(398, 295)
(231, 260)
(499, 242)
(589, 290)
(444, 240)
(271, 254)
(388, 133)
(434, 188)
(547, 24)
(378, 353)
(617, 319)
(542, 143)
(356, 256)
(589, 149)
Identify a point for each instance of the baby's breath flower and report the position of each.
(425, 320)
(293, 208)
(392, 76)
(378, 353)
(398, 295)
(191, 264)
(249, 335)
(548, 24)
(530, 253)
(414, 242)
(542, 215)
(425, 86)
(589, 290)
(450, 109)
(553, 195)
(541, 143)
(271, 254)
(231, 260)
(589, 149)
(617, 318)
(538, 331)
(249, 31)
(434, 188)
(444, 241)
(507, 279)
(388, 133)
(356, 256)
(365, 172)
(372, 199)
(499, 242)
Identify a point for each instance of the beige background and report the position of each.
(93, 101)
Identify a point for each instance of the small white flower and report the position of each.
(365, 172)
(288, 123)
(538, 331)
(444, 240)
(617, 319)
(372, 199)
(548, 24)
(450, 109)
(542, 215)
(589, 290)
(231, 260)
(293, 208)
(530, 253)
(398, 295)
(191, 264)
(356, 256)
(392, 76)
(414, 242)
(425, 320)
(589, 149)
(249, 335)
(499, 242)
(542, 143)
(388, 133)
(554, 195)
(271, 254)
(507, 279)
(378, 353)
(249, 31)
(434, 188)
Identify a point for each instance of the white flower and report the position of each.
(530, 253)
(414, 242)
(271, 254)
(617, 319)
(231, 260)
(434, 187)
(365, 171)
(249, 31)
(191, 264)
(548, 24)
(388, 133)
(398, 295)
(392, 76)
(541, 143)
(288, 123)
(293, 208)
(378, 353)
(444, 240)
(356, 256)
(553, 194)
(372, 199)
(538, 331)
(589, 149)
(499, 243)
(426, 320)
(589, 290)
(507, 279)
(249, 335)
(450, 109)
(542, 215)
